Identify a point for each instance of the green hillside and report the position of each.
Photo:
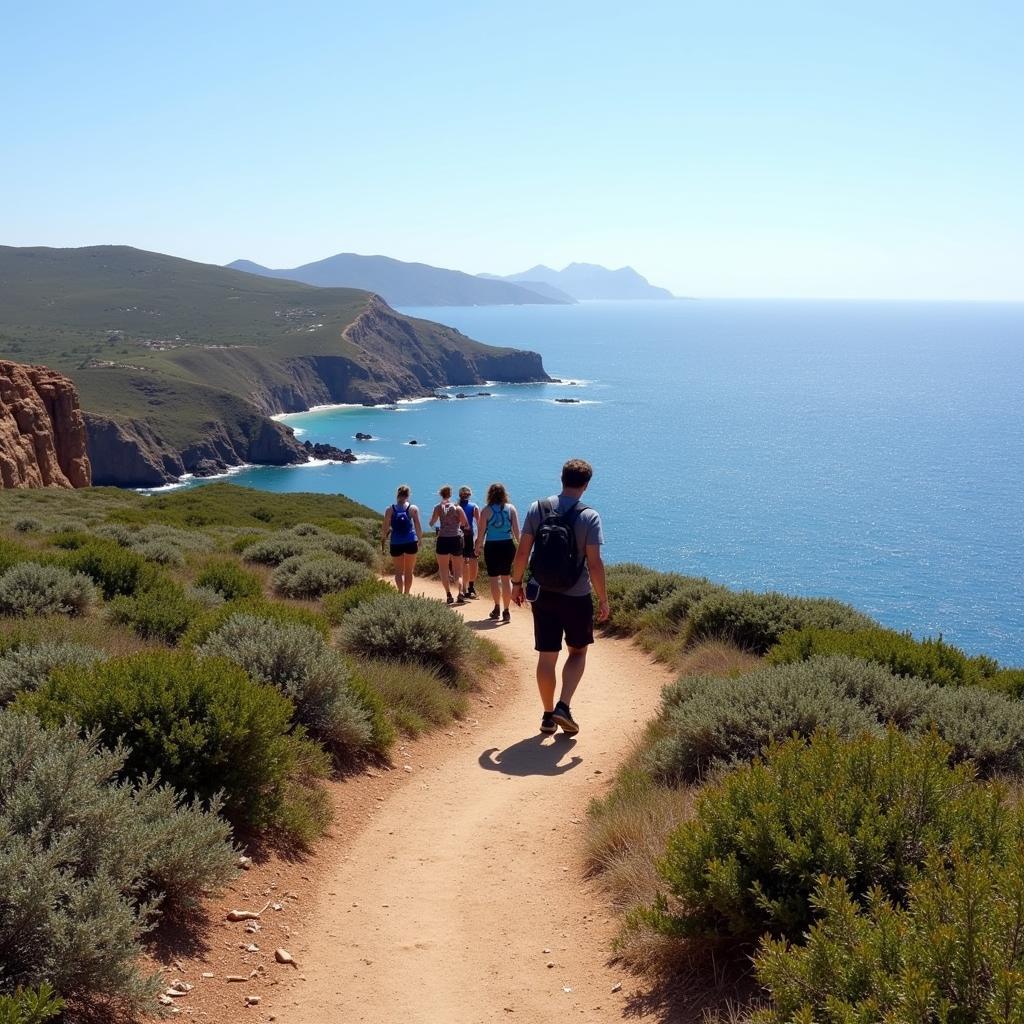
(168, 353)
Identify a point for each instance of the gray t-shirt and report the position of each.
(588, 531)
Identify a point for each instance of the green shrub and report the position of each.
(669, 614)
(870, 811)
(710, 722)
(953, 953)
(200, 723)
(205, 598)
(162, 612)
(11, 554)
(930, 659)
(27, 667)
(353, 548)
(416, 697)
(635, 595)
(113, 569)
(245, 540)
(210, 621)
(296, 659)
(275, 549)
(336, 606)
(117, 532)
(32, 589)
(27, 524)
(426, 557)
(81, 861)
(30, 1006)
(756, 622)
(400, 628)
(161, 552)
(229, 579)
(313, 575)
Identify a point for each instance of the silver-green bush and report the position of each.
(28, 666)
(313, 575)
(33, 589)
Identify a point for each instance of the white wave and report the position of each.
(416, 401)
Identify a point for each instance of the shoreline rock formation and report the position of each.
(42, 430)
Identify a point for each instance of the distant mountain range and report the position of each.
(588, 281)
(418, 284)
(409, 284)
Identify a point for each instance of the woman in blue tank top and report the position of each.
(499, 534)
(470, 564)
(402, 524)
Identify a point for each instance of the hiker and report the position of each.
(402, 522)
(498, 537)
(470, 562)
(451, 522)
(561, 543)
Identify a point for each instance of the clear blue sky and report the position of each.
(737, 149)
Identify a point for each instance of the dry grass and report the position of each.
(717, 658)
(416, 698)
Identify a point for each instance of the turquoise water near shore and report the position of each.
(869, 451)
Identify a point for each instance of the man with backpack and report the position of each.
(561, 544)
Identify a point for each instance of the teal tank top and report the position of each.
(499, 526)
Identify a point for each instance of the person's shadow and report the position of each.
(536, 755)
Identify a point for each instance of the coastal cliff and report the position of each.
(180, 365)
(42, 432)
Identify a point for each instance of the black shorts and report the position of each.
(558, 614)
(468, 546)
(498, 557)
(449, 546)
(409, 547)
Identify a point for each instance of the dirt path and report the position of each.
(468, 881)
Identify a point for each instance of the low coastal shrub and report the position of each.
(310, 576)
(200, 723)
(264, 608)
(32, 589)
(930, 659)
(756, 622)
(162, 612)
(336, 606)
(870, 811)
(416, 697)
(296, 659)
(353, 548)
(229, 579)
(115, 570)
(709, 723)
(26, 667)
(401, 628)
(81, 860)
(951, 953)
(30, 1006)
(27, 524)
(273, 550)
(161, 553)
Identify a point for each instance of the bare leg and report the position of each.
(547, 662)
(399, 571)
(506, 591)
(572, 673)
(407, 572)
(496, 590)
(444, 569)
(457, 572)
(471, 568)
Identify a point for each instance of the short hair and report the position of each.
(403, 492)
(577, 473)
(465, 492)
(497, 495)
(445, 491)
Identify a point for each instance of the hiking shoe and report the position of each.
(562, 716)
(451, 600)
(472, 594)
(548, 725)
(494, 613)
(506, 616)
(461, 599)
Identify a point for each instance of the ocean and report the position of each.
(868, 451)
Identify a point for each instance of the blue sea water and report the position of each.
(869, 451)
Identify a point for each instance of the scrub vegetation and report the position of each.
(179, 677)
(823, 822)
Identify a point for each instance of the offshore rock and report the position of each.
(42, 432)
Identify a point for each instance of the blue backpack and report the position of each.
(401, 521)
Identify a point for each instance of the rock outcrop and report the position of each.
(42, 431)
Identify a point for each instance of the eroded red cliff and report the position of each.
(42, 431)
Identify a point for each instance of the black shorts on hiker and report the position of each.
(410, 547)
(555, 615)
(498, 557)
(469, 547)
(449, 546)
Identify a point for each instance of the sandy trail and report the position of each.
(469, 880)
